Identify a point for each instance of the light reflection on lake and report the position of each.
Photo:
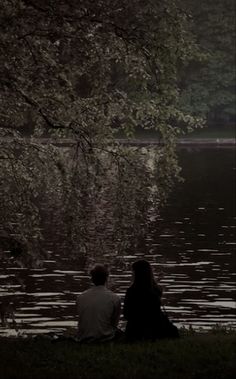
(191, 246)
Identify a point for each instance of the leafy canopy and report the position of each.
(208, 84)
(85, 70)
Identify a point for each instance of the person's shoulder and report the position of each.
(130, 292)
(131, 289)
(157, 290)
(85, 293)
(112, 294)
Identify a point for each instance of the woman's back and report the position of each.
(142, 304)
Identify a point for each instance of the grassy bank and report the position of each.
(191, 357)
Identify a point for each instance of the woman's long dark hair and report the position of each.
(143, 275)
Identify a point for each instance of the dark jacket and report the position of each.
(142, 310)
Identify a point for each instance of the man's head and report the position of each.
(99, 274)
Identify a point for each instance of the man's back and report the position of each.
(99, 311)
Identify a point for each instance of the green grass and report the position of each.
(191, 357)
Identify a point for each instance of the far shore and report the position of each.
(151, 141)
(181, 142)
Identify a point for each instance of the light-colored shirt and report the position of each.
(99, 312)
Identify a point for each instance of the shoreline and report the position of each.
(70, 333)
(204, 142)
(181, 142)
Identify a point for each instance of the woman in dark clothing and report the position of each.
(142, 307)
(142, 304)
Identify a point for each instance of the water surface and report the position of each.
(191, 246)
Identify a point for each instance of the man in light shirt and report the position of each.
(98, 309)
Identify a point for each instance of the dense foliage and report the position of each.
(208, 84)
(84, 70)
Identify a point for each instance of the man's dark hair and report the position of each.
(99, 274)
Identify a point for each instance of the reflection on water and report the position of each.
(191, 247)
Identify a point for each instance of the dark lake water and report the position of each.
(191, 246)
